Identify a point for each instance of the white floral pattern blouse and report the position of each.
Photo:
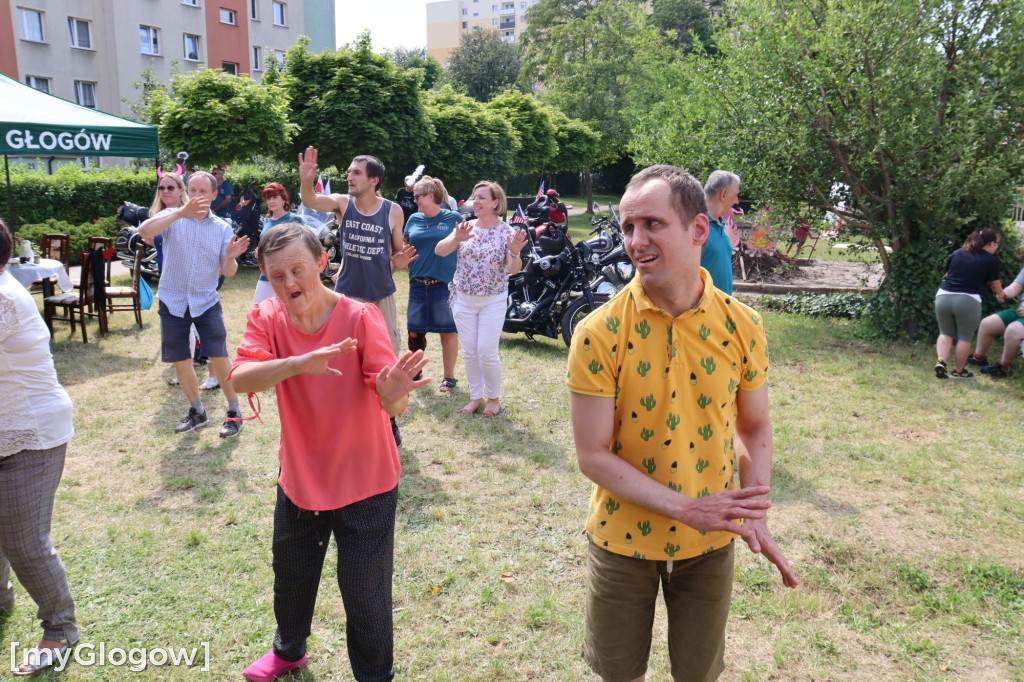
(481, 269)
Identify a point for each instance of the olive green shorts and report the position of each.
(1009, 317)
(621, 596)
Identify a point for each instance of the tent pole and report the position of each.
(10, 200)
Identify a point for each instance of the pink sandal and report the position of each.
(270, 667)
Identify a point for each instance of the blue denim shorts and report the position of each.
(174, 334)
(428, 310)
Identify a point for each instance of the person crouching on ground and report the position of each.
(338, 382)
(1009, 323)
(958, 300)
(198, 248)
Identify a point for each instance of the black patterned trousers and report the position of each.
(365, 534)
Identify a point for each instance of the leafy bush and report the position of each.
(106, 227)
(850, 306)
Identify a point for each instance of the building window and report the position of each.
(85, 94)
(79, 34)
(254, 10)
(280, 17)
(227, 16)
(522, 19)
(465, 12)
(522, 5)
(41, 84)
(476, 14)
(30, 25)
(191, 48)
(465, 25)
(230, 67)
(149, 38)
(191, 3)
(494, 8)
(494, 22)
(257, 59)
(279, 55)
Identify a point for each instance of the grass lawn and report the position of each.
(898, 499)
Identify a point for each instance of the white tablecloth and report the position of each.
(26, 273)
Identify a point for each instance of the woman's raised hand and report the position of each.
(516, 242)
(463, 231)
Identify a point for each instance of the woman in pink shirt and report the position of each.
(337, 382)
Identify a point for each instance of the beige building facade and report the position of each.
(447, 20)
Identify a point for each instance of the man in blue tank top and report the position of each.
(722, 191)
(370, 229)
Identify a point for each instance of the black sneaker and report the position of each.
(973, 359)
(994, 371)
(192, 421)
(395, 433)
(232, 428)
(940, 370)
(961, 375)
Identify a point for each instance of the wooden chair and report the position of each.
(131, 292)
(57, 247)
(106, 244)
(76, 302)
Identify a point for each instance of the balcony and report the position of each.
(508, 24)
(508, 11)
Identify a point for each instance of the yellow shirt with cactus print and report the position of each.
(674, 382)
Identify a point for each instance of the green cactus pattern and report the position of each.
(672, 422)
(612, 323)
(638, 555)
(642, 368)
(705, 431)
(752, 344)
(704, 331)
(646, 433)
(650, 465)
(616, 447)
(703, 493)
(751, 373)
(611, 506)
(595, 367)
(730, 326)
(643, 329)
(703, 401)
(645, 527)
(732, 386)
(649, 402)
(671, 549)
(702, 464)
(708, 364)
(755, 318)
(677, 488)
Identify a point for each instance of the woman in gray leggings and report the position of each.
(958, 300)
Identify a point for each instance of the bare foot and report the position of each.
(472, 406)
(493, 408)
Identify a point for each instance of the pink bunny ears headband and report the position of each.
(177, 170)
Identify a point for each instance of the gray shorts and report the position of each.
(958, 315)
(174, 334)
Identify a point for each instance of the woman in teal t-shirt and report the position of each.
(279, 211)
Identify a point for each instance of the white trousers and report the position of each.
(479, 320)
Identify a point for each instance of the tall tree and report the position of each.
(910, 108)
(351, 101)
(219, 118)
(533, 123)
(469, 142)
(689, 22)
(417, 58)
(483, 65)
(593, 59)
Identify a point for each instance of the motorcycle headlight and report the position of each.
(625, 270)
(605, 288)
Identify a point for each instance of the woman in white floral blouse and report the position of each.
(488, 253)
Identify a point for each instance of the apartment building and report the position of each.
(447, 20)
(91, 51)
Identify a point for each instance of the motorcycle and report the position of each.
(552, 293)
(615, 269)
(246, 221)
(327, 233)
(128, 240)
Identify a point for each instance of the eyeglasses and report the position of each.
(418, 196)
(167, 188)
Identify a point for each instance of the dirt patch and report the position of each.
(820, 276)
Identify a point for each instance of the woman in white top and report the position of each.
(488, 253)
(34, 433)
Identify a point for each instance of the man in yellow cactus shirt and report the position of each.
(662, 378)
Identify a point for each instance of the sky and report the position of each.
(392, 23)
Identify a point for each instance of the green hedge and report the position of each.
(78, 197)
(104, 227)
